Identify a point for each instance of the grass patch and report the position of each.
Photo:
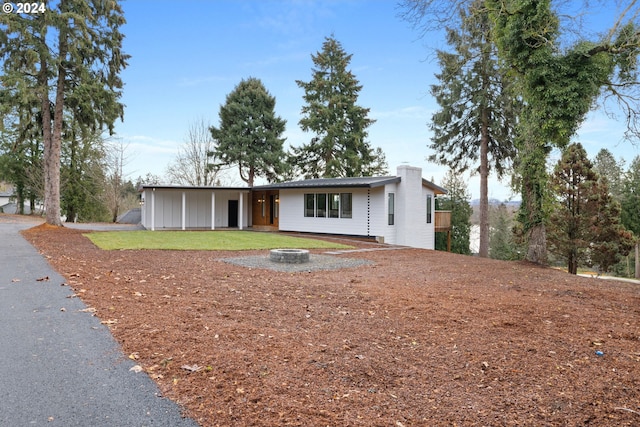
(204, 240)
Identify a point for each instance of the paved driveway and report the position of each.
(59, 366)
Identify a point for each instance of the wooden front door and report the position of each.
(265, 208)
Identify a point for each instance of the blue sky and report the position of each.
(188, 55)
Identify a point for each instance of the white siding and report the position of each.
(380, 214)
(167, 205)
(292, 213)
(429, 233)
(168, 209)
(198, 209)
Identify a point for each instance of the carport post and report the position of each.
(213, 210)
(240, 210)
(184, 210)
(153, 209)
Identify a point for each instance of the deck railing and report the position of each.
(442, 221)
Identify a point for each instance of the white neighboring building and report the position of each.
(394, 209)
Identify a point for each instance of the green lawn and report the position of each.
(204, 240)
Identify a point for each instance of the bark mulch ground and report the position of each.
(417, 338)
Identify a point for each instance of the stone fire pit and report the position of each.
(289, 256)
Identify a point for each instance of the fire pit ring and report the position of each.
(289, 256)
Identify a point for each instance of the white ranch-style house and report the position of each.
(392, 209)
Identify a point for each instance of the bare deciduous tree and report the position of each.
(195, 163)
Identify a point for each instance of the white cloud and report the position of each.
(411, 112)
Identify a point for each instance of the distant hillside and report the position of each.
(512, 206)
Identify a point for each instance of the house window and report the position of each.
(262, 203)
(321, 205)
(345, 205)
(392, 197)
(276, 207)
(309, 205)
(334, 205)
(429, 208)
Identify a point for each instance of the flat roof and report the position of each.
(358, 182)
(190, 187)
(365, 182)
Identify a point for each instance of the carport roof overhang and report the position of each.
(188, 187)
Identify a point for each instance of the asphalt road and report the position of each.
(59, 366)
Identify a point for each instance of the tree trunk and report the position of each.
(51, 183)
(572, 264)
(537, 251)
(484, 188)
(637, 259)
(53, 138)
(534, 182)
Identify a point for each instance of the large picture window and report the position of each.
(334, 205)
(331, 205)
(345, 205)
(321, 205)
(309, 205)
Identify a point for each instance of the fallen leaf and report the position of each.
(191, 368)
(42, 279)
(15, 280)
(109, 322)
(136, 369)
(88, 310)
(134, 356)
(63, 309)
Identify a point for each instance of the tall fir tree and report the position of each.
(502, 244)
(631, 207)
(584, 227)
(610, 171)
(475, 125)
(339, 147)
(250, 133)
(67, 60)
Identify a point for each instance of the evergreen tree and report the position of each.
(478, 111)
(502, 245)
(584, 227)
(66, 59)
(631, 207)
(21, 160)
(250, 133)
(457, 201)
(83, 177)
(610, 171)
(339, 147)
(611, 240)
